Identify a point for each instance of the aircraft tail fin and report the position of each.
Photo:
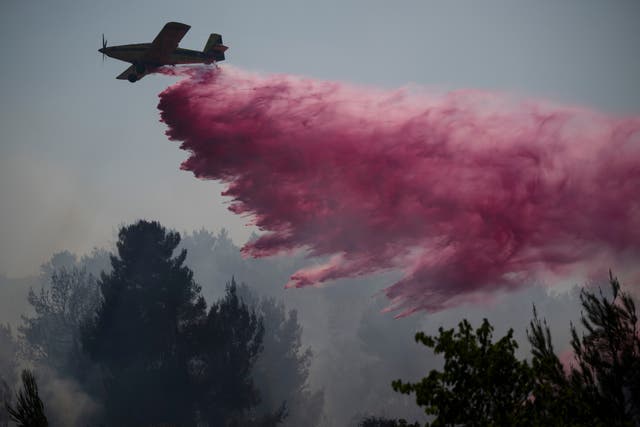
(214, 47)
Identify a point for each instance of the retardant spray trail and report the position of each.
(465, 192)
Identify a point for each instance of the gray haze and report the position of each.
(357, 349)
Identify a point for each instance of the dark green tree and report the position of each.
(29, 409)
(252, 419)
(608, 354)
(372, 421)
(602, 386)
(142, 335)
(482, 382)
(228, 344)
(558, 401)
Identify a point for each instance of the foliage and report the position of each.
(602, 386)
(8, 354)
(165, 358)
(482, 382)
(384, 422)
(281, 371)
(5, 396)
(94, 263)
(61, 309)
(141, 341)
(8, 368)
(228, 343)
(271, 419)
(609, 354)
(29, 410)
(58, 261)
(213, 259)
(142, 334)
(558, 400)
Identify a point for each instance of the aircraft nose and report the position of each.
(101, 50)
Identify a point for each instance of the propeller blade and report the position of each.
(104, 46)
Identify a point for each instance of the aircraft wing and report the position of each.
(129, 71)
(166, 42)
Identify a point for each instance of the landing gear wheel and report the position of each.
(132, 78)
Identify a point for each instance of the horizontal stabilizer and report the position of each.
(214, 47)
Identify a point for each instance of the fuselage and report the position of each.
(137, 54)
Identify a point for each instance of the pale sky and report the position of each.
(82, 153)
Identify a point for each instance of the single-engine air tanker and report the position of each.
(147, 57)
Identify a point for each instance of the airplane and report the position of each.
(163, 50)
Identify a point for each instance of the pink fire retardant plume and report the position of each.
(466, 192)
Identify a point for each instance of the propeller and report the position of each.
(104, 46)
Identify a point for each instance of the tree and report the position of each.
(558, 401)
(250, 419)
(228, 345)
(8, 369)
(5, 397)
(94, 263)
(603, 386)
(482, 382)
(165, 358)
(29, 410)
(58, 261)
(609, 354)
(373, 421)
(61, 308)
(281, 371)
(143, 331)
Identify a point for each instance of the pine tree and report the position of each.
(142, 334)
(228, 346)
(29, 409)
(602, 386)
